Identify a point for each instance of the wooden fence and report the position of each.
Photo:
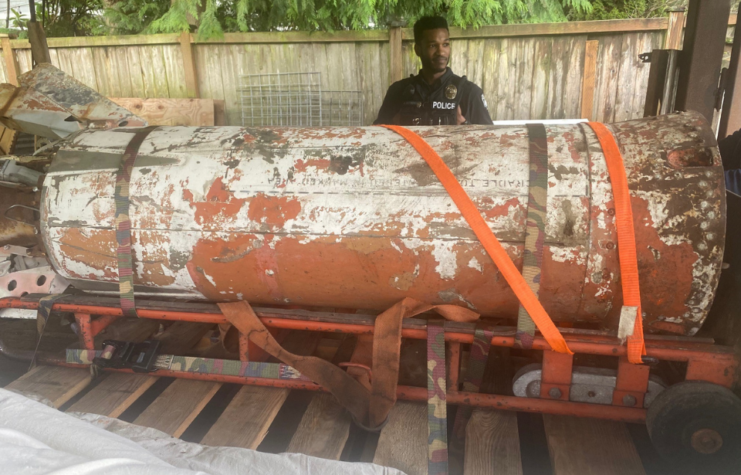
(543, 71)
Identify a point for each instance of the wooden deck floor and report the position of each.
(278, 420)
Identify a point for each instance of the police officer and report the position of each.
(435, 96)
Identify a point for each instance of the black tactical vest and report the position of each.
(439, 108)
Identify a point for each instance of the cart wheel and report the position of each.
(696, 426)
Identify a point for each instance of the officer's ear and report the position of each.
(416, 49)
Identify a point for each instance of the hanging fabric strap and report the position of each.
(369, 408)
(537, 204)
(626, 242)
(471, 383)
(43, 312)
(487, 238)
(123, 222)
(437, 412)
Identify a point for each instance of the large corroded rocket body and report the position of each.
(354, 218)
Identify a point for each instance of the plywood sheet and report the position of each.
(192, 112)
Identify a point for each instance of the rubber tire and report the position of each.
(684, 408)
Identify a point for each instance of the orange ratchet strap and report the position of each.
(488, 240)
(626, 237)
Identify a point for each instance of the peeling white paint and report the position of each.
(447, 264)
(474, 264)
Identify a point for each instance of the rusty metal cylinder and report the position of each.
(354, 217)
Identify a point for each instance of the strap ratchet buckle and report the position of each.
(139, 357)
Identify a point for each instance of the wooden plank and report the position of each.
(626, 75)
(675, 30)
(403, 442)
(123, 78)
(8, 141)
(229, 70)
(114, 394)
(246, 419)
(157, 111)
(588, 83)
(490, 76)
(573, 76)
(323, 430)
(548, 29)
(177, 406)
(396, 61)
(578, 446)
(542, 72)
(557, 78)
(101, 64)
(58, 384)
(646, 43)
(505, 72)
(24, 60)
(475, 61)
(12, 70)
(151, 69)
(374, 77)
(337, 36)
(606, 74)
(492, 444)
(189, 65)
(136, 77)
(525, 67)
(173, 65)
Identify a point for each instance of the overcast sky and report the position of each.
(19, 5)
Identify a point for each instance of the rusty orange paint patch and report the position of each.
(319, 163)
(220, 204)
(273, 210)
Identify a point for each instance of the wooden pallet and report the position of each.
(258, 417)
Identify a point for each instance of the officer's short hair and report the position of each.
(428, 23)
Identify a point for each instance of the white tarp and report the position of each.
(37, 439)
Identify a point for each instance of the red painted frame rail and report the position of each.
(706, 361)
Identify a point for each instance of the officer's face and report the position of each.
(434, 49)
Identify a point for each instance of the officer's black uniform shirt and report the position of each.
(472, 102)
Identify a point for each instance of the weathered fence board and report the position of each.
(525, 71)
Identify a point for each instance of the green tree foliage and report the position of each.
(216, 16)
(211, 18)
(68, 17)
(619, 9)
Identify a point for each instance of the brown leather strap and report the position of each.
(369, 408)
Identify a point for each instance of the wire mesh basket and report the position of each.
(281, 99)
(296, 100)
(342, 108)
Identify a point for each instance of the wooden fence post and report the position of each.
(674, 30)
(396, 68)
(590, 74)
(189, 66)
(11, 63)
